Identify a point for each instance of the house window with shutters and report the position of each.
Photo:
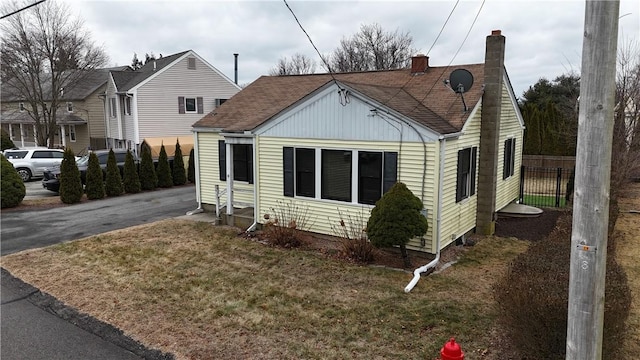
(306, 168)
(190, 105)
(466, 180)
(509, 158)
(242, 161)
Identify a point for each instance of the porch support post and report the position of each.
(21, 135)
(229, 161)
(63, 136)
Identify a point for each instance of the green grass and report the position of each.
(543, 200)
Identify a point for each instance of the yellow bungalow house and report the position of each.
(337, 142)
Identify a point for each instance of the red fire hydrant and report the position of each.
(451, 351)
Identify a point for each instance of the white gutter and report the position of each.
(255, 187)
(434, 262)
(196, 175)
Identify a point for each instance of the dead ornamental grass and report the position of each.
(202, 293)
(628, 253)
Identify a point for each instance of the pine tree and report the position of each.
(95, 180)
(148, 178)
(191, 171)
(396, 219)
(113, 185)
(164, 171)
(178, 173)
(70, 182)
(12, 190)
(131, 178)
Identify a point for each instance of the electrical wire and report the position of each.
(22, 9)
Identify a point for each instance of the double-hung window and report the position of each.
(127, 105)
(329, 174)
(112, 107)
(72, 133)
(187, 105)
(466, 182)
(69, 107)
(509, 158)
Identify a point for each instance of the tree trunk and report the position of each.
(405, 255)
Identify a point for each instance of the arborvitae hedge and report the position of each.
(178, 173)
(113, 186)
(5, 141)
(148, 178)
(396, 219)
(191, 171)
(12, 188)
(70, 182)
(131, 178)
(164, 170)
(94, 179)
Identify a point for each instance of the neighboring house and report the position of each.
(163, 98)
(80, 116)
(336, 143)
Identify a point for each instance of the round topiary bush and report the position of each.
(13, 190)
(131, 178)
(164, 170)
(94, 181)
(178, 173)
(396, 219)
(113, 185)
(70, 183)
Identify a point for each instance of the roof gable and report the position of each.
(421, 97)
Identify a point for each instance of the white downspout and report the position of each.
(196, 175)
(255, 188)
(434, 262)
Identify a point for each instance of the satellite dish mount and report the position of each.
(461, 81)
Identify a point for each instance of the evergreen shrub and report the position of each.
(70, 183)
(148, 178)
(113, 185)
(164, 170)
(94, 179)
(12, 188)
(131, 178)
(191, 170)
(178, 173)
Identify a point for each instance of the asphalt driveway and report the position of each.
(21, 230)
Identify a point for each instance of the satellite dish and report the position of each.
(461, 80)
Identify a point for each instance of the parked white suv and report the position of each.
(30, 163)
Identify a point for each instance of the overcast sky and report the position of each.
(543, 38)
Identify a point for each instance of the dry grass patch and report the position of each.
(202, 293)
(627, 253)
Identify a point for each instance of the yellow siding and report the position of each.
(324, 213)
(509, 188)
(458, 218)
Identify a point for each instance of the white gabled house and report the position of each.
(163, 98)
(338, 142)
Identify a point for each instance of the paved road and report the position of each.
(36, 326)
(21, 230)
(36, 191)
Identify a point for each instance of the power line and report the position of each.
(23, 9)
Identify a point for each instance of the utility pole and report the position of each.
(593, 168)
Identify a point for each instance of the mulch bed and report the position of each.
(533, 229)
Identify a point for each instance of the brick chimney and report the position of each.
(419, 63)
(490, 133)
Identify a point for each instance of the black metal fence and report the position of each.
(545, 187)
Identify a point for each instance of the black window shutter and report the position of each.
(506, 162)
(474, 152)
(199, 104)
(459, 184)
(180, 104)
(287, 162)
(250, 163)
(390, 172)
(222, 154)
(513, 156)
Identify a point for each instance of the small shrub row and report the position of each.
(352, 232)
(533, 298)
(286, 224)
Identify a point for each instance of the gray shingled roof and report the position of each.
(125, 80)
(90, 82)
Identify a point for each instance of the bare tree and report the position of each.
(626, 130)
(45, 52)
(297, 65)
(372, 48)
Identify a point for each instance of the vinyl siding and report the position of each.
(458, 218)
(509, 188)
(324, 213)
(95, 107)
(113, 130)
(157, 100)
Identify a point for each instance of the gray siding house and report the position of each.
(163, 98)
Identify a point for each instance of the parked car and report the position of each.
(31, 162)
(51, 180)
